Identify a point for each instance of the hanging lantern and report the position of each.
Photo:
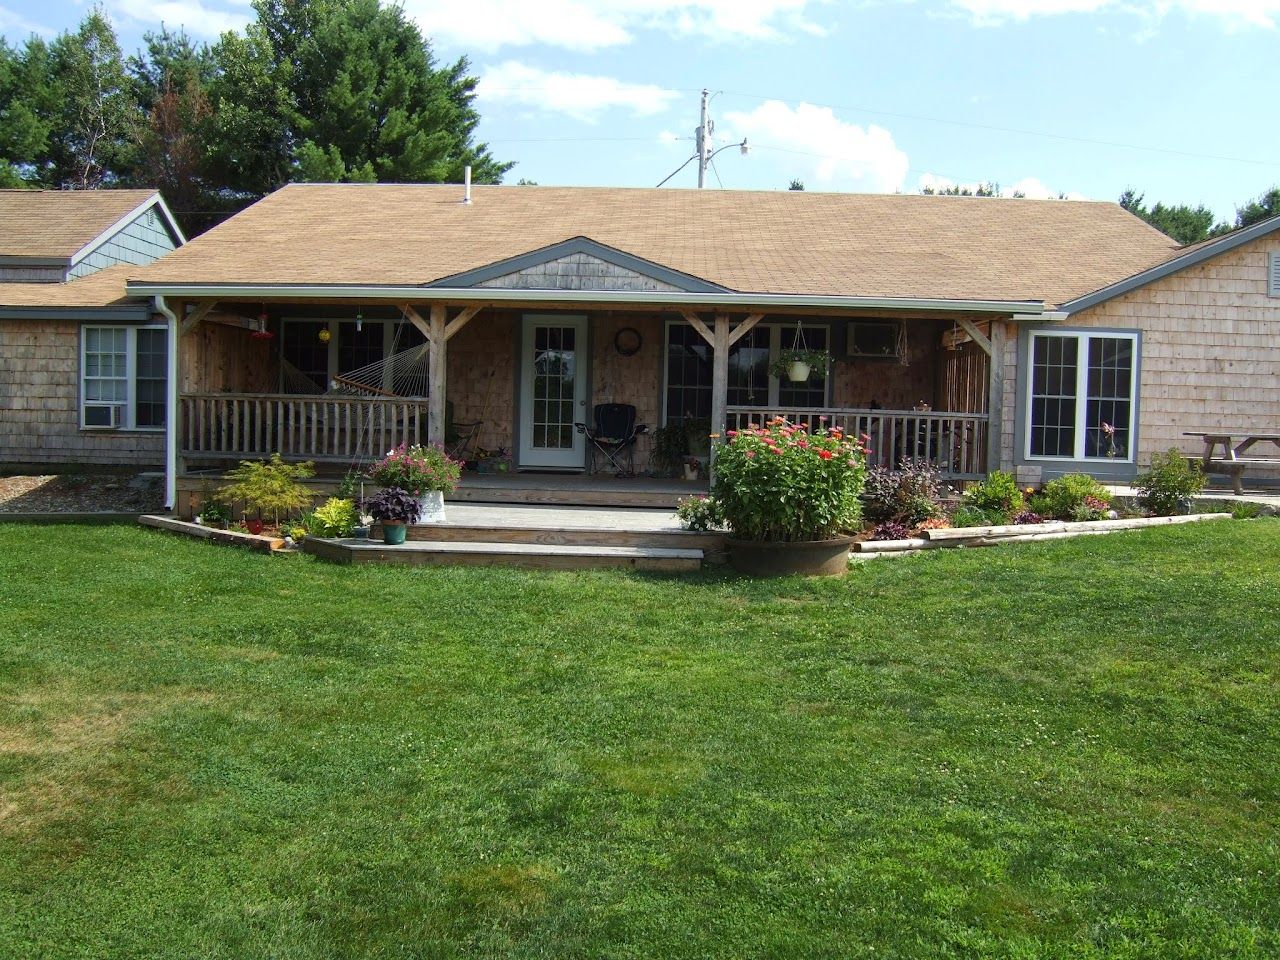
(325, 336)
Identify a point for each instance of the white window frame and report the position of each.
(130, 403)
(1082, 338)
(775, 328)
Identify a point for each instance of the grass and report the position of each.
(1052, 750)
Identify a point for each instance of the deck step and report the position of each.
(481, 553)
(674, 539)
(567, 496)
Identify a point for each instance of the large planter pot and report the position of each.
(432, 507)
(773, 558)
(394, 532)
(798, 372)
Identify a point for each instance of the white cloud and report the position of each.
(1232, 13)
(196, 17)
(488, 25)
(13, 24)
(839, 155)
(579, 95)
(1030, 187)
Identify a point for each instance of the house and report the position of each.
(329, 322)
(82, 364)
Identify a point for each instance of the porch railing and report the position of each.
(956, 443)
(230, 425)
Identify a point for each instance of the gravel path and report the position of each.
(81, 493)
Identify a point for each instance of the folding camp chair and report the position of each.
(614, 435)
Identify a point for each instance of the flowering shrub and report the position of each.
(911, 494)
(778, 481)
(1027, 516)
(700, 513)
(891, 530)
(393, 505)
(1091, 508)
(417, 469)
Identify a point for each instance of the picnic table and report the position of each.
(1235, 445)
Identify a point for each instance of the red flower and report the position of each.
(825, 454)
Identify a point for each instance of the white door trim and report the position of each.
(529, 456)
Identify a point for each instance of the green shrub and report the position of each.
(997, 496)
(271, 487)
(700, 513)
(336, 517)
(1064, 498)
(1169, 483)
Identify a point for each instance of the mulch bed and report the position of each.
(81, 493)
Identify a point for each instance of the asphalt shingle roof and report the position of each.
(57, 224)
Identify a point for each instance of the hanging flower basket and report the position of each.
(800, 365)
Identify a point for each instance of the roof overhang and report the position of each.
(125, 313)
(499, 295)
(18, 260)
(1198, 254)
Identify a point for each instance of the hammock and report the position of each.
(402, 374)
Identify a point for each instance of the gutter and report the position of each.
(741, 301)
(171, 407)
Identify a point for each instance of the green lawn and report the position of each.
(1057, 750)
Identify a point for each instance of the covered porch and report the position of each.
(504, 381)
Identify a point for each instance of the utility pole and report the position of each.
(704, 147)
(702, 137)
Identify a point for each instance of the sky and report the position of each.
(1175, 98)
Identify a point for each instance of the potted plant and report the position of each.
(427, 473)
(269, 487)
(799, 365)
(670, 446)
(395, 508)
(790, 498)
(698, 436)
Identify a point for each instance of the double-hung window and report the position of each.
(123, 376)
(1083, 395)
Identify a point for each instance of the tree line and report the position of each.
(1188, 224)
(313, 90)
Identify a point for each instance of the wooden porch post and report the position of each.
(995, 402)
(719, 379)
(437, 375)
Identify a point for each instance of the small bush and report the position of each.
(996, 497)
(394, 505)
(271, 487)
(700, 513)
(336, 517)
(891, 530)
(1064, 497)
(1169, 483)
(1245, 511)
(1091, 508)
(911, 494)
(1027, 516)
(214, 513)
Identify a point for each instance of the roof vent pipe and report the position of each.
(466, 184)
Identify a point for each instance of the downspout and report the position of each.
(171, 408)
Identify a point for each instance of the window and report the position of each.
(124, 372)
(876, 339)
(1081, 397)
(688, 373)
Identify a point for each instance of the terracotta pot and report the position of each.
(775, 558)
(254, 526)
(394, 532)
